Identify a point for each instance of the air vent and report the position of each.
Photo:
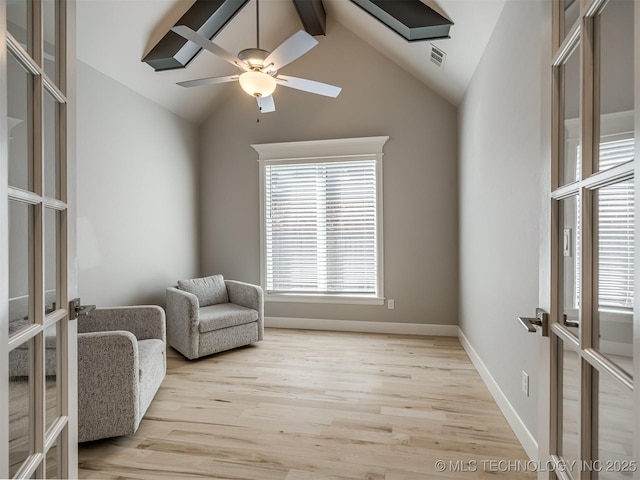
(437, 56)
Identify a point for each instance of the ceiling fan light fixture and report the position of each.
(257, 84)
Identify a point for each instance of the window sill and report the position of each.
(328, 299)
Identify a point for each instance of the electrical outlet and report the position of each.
(391, 304)
(525, 383)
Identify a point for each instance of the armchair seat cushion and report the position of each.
(150, 356)
(224, 315)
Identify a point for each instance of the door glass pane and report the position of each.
(614, 220)
(51, 362)
(51, 467)
(616, 33)
(17, 23)
(49, 8)
(18, 85)
(570, 154)
(20, 265)
(614, 436)
(571, 11)
(51, 234)
(51, 151)
(569, 408)
(569, 263)
(20, 404)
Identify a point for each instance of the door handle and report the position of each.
(529, 323)
(76, 310)
(570, 323)
(540, 320)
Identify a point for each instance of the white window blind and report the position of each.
(616, 230)
(321, 227)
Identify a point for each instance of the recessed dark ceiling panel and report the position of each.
(206, 17)
(312, 15)
(412, 19)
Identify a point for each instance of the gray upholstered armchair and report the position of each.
(121, 364)
(210, 315)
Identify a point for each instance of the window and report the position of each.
(616, 230)
(321, 211)
(615, 218)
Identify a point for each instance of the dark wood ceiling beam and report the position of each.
(312, 15)
(206, 17)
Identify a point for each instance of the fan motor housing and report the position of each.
(254, 57)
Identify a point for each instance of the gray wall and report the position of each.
(500, 172)
(420, 176)
(137, 194)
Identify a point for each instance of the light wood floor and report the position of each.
(309, 405)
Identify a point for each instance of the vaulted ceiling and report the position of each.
(114, 35)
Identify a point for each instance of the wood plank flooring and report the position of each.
(311, 405)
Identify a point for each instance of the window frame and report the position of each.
(324, 151)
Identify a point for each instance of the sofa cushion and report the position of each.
(225, 315)
(209, 290)
(150, 355)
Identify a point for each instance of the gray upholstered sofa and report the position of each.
(209, 315)
(121, 364)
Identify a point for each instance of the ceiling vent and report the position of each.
(437, 56)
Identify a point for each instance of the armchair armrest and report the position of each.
(144, 322)
(182, 321)
(108, 374)
(249, 296)
(245, 294)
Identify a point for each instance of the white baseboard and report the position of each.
(527, 440)
(357, 326)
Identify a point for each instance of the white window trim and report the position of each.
(324, 151)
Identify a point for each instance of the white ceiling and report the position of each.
(114, 35)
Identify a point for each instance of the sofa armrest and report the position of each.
(183, 317)
(108, 391)
(249, 296)
(145, 322)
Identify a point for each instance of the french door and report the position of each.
(38, 361)
(593, 421)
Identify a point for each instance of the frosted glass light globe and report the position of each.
(257, 84)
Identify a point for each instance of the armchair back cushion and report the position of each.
(209, 290)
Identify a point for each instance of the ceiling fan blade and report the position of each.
(207, 44)
(292, 48)
(208, 81)
(311, 86)
(266, 104)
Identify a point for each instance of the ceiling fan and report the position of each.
(259, 77)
